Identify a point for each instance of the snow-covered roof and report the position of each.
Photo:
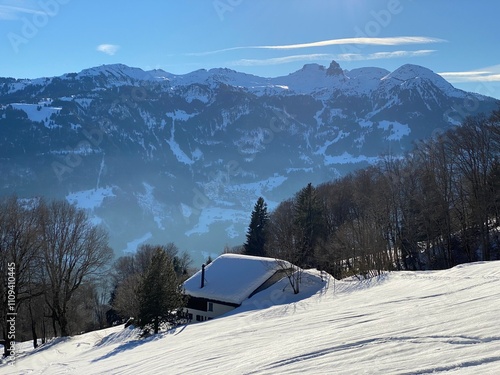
(232, 277)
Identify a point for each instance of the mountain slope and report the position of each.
(183, 158)
(401, 323)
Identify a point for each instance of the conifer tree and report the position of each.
(309, 224)
(160, 297)
(256, 234)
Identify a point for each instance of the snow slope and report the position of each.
(401, 323)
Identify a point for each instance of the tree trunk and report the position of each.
(44, 331)
(33, 328)
(157, 324)
(63, 324)
(34, 335)
(7, 342)
(54, 327)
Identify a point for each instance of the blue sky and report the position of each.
(458, 38)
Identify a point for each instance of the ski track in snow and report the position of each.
(399, 323)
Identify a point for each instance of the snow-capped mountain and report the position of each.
(161, 157)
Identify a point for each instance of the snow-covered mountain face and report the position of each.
(159, 157)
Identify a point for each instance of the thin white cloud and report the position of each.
(384, 55)
(485, 75)
(464, 74)
(9, 12)
(283, 60)
(108, 49)
(389, 41)
(329, 57)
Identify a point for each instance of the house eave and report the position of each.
(225, 303)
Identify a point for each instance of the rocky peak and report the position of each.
(334, 69)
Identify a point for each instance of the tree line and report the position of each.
(146, 286)
(55, 256)
(58, 279)
(436, 207)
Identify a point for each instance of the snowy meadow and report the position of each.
(399, 323)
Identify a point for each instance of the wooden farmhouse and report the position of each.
(225, 283)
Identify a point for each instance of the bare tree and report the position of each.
(126, 299)
(281, 243)
(73, 250)
(476, 146)
(19, 244)
(100, 295)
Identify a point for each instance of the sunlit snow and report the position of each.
(176, 148)
(396, 129)
(151, 205)
(347, 158)
(90, 199)
(211, 215)
(232, 277)
(38, 112)
(435, 322)
(134, 244)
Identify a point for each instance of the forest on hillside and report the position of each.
(437, 207)
(60, 278)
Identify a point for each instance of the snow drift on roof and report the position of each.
(232, 277)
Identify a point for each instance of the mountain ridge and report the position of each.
(404, 73)
(189, 154)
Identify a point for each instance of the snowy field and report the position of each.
(401, 323)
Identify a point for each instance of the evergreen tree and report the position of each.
(160, 297)
(256, 234)
(309, 224)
